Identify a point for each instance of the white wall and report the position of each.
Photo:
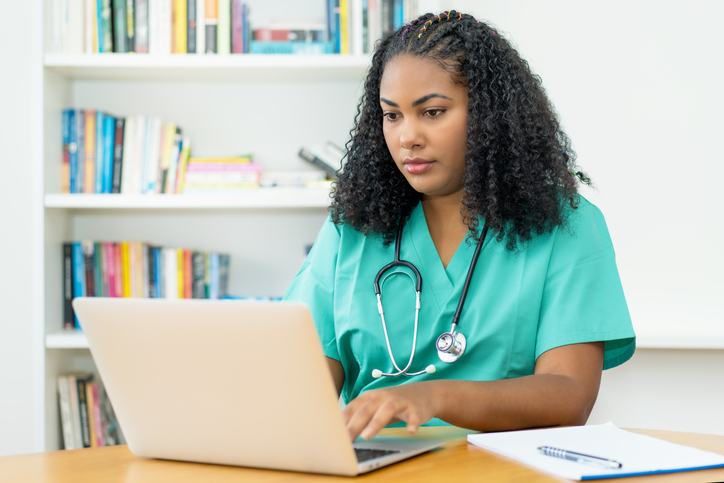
(17, 341)
(638, 87)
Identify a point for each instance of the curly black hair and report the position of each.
(519, 164)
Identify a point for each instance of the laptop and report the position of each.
(227, 382)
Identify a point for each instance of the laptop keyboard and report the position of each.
(367, 454)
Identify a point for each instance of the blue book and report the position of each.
(100, 157)
(214, 276)
(109, 137)
(99, 14)
(397, 14)
(72, 148)
(78, 274)
(335, 34)
(66, 147)
(156, 254)
(80, 129)
(291, 47)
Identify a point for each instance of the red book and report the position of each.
(188, 278)
(237, 28)
(111, 274)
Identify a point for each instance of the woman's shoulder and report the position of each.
(584, 229)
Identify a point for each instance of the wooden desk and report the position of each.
(456, 462)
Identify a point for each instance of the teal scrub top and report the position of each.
(561, 288)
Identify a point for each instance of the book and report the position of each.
(91, 414)
(117, 155)
(65, 167)
(141, 25)
(179, 27)
(99, 154)
(314, 158)
(66, 419)
(88, 266)
(75, 417)
(191, 11)
(108, 136)
(81, 382)
(90, 35)
(200, 26)
(131, 25)
(90, 151)
(211, 21)
(78, 274)
(105, 26)
(120, 37)
(291, 47)
(237, 27)
(68, 313)
(223, 31)
(96, 421)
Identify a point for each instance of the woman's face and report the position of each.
(425, 124)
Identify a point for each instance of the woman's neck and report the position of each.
(445, 224)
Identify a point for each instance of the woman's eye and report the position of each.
(434, 112)
(390, 116)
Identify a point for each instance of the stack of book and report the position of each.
(86, 415)
(109, 154)
(137, 269)
(219, 175)
(151, 26)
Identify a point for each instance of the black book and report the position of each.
(198, 273)
(118, 155)
(312, 158)
(68, 314)
(89, 263)
(81, 382)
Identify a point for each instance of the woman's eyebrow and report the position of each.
(417, 102)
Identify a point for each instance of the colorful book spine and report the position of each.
(109, 134)
(120, 37)
(90, 151)
(131, 25)
(65, 167)
(223, 39)
(191, 11)
(180, 26)
(125, 270)
(118, 155)
(80, 149)
(106, 25)
(237, 27)
(99, 153)
(141, 24)
(78, 274)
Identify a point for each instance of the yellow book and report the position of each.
(89, 181)
(125, 270)
(90, 405)
(180, 255)
(344, 31)
(169, 132)
(179, 26)
(237, 160)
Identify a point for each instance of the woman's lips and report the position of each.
(417, 165)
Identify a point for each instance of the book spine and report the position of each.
(200, 26)
(66, 420)
(183, 161)
(98, 30)
(78, 274)
(141, 24)
(118, 155)
(223, 40)
(109, 132)
(65, 166)
(90, 151)
(212, 21)
(91, 412)
(188, 275)
(191, 26)
(214, 276)
(224, 267)
(179, 27)
(68, 314)
(158, 272)
(89, 23)
(75, 412)
(118, 262)
(107, 25)
(180, 273)
(98, 270)
(343, 25)
(80, 131)
(97, 420)
(237, 34)
(120, 38)
(197, 269)
(83, 411)
(89, 264)
(207, 275)
(131, 25)
(99, 154)
(125, 270)
(311, 158)
(165, 22)
(151, 270)
(72, 152)
(170, 185)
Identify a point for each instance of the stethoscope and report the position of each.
(450, 345)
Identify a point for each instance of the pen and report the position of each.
(586, 459)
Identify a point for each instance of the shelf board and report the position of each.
(224, 68)
(259, 198)
(74, 339)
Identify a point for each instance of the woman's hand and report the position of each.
(413, 403)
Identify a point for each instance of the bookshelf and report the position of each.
(268, 105)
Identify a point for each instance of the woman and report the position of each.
(456, 147)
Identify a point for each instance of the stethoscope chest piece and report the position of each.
(450, 346)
